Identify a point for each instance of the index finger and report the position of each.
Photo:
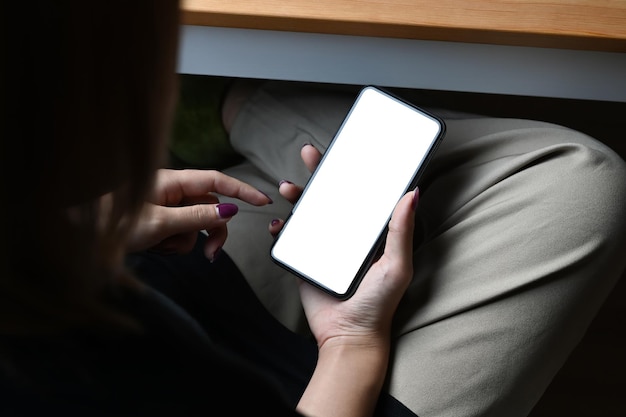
(310, 156)
(196, 183)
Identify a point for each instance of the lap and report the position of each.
(519, 237)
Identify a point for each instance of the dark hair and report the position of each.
(88, 96)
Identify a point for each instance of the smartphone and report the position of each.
(337, 226)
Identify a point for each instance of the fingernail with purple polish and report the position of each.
(268, 197)
(416, 194)
(216, 254)
(275, 222)
(284, 182)
(226, 210)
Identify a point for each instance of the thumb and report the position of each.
(399, 242)
(199, 217)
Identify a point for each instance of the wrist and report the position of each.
(375, 345)
(360, 358)
(348, 378)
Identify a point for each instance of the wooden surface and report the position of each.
(570, 24)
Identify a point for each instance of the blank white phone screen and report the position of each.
(349, 200)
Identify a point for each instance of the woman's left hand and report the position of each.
(184, 202)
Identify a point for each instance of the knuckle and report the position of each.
(399, 269)
(199, 214)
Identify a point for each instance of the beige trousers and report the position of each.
(520, 236)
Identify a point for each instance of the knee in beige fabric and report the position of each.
(522, 243)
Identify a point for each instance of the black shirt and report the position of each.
(207, 346)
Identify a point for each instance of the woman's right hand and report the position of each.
(184, 202)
